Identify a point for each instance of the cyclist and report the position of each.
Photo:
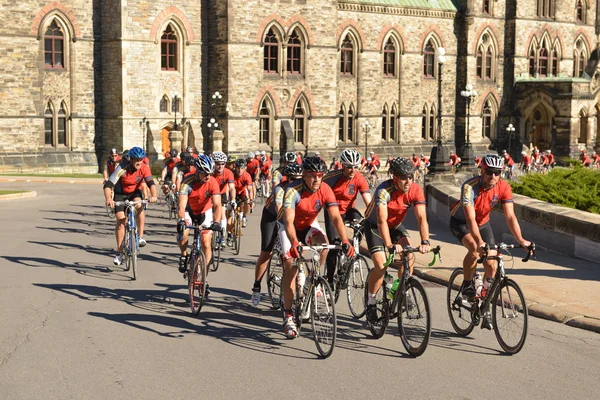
(383, 225)
(252, 168)
(346, 185)
(302, 202)
(416, 161)
(545, 162)
(551, 160)
(298, 158)
(508, 163)
(425, 163)
(265, 173)
(244, 194)
(375, 159)
(525, 162)
(231, 162)
(370, 170)
(126, 181)
(269, 227)
(192, 151)
(225, 179)
(318, 154)
(335, 165)
(167, 171)
(469, 222)
(199, 201)
(184, 167)
(585, 160)
(278, 176)
(455, 161)
(112, 163)
(595, 159)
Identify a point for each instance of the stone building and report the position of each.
(80, 77)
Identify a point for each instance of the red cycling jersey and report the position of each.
(241, 183)
(146, 161)
(508, 160)
(397, 202)
(474, 194)
(525, 160)
(224, 179)
(346, 190)
(170, 164)
(253, 166)
(199, 194)
(266, 167)
(111, 165)
(416, 161)
(306, 203)
(127, 180)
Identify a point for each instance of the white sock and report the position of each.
(371, 300)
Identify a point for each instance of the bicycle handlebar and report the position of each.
(409, 249)
(130, 203)
(317, 248)
(504, 246)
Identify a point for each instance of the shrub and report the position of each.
(577, 187)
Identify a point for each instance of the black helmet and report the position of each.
(173, 153)
(293, 170)
(401, 166)
(314, 164)
(240, 163)
(125, 156)
(186, 158)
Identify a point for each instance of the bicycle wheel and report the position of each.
(414, 318)
(459, 309)
(237, 236)
(509, 313)
(323, 317)
(171, 205)
(133, 242)
(357, 281)
(383, 316)
(216, 247)
(196, 282)
(274, 279)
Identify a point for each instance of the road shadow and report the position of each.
(85, 269)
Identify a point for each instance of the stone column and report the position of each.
(176, 138)
(217, 140)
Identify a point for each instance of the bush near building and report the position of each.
(577, 187)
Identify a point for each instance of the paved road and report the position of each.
(73, 326)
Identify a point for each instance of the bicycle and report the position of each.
(315, 299)
(466, 314)
(131, 245)
(413, 308)
(238, 215)
(275, 276)
(196, 270)
(420, 175)
(351, 273)
(217, 240)
(170, 199)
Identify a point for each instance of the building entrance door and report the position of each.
(164, 139)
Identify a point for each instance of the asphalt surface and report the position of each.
(74, 326)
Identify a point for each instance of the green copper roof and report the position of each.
(450, 5)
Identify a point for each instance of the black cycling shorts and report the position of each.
(460, 229)
(375, 242)
(332, 235)
(123, 197)
(268, 231)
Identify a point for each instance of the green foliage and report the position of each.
(3, 192)
(577, 187)
(569, 162)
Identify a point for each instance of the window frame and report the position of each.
(347, 56)
(384, 124)
(299, 47)
(389, 67)
(56, 117)
(271, 43)
(429, 60)
(303, 118)
(264, 125)
(580, 12)
(424, 122)
(171, 41)
(546, 9)
(53, 40)
(486, 7)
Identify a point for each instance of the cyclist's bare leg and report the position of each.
(288, 286)
(470, 260)
(206, 244)
(404, 242)
(120, 230)
(261, 265)
(183, 243)
(490, 266)
(246, 209)
(140, 217)
(316, 240)
(376, 276)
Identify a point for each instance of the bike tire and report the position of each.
(134, 252)
(459, 310)
(237, 237)
(323, 317)
(415, 337)
(274, 280)
(196, 282)
(378, 329)
(357, 282)
(509, 310)
(216, 251)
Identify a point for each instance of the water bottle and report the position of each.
(394, 287)
(478, 280)
(301, 280)
(389, 281)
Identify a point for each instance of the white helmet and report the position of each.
(317, 153)
(250, 155)
(548, 151)
(350, 157)
(290, 157)
(369, 159)
(493, 161)
(262, 153)
(523, 153)
(219, 156)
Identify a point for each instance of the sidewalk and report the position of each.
(42, 179)
(556, 287)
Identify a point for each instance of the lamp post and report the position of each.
(468, 94)
(510, 129)
(366, 127)
(176, 98)
(438, 158)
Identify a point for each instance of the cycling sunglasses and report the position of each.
(404, 177)
(495, 172)
(350, 166)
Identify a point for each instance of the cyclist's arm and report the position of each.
(338, 222)
(231, 188)
(382, 225)
(181, 203)
(216, 202)
(163, 174)
(367, 198)
(288, 222)
(421, 215)
(105, 172)
(250, 191)
(513, 223)
(472, 224)
(174, 174)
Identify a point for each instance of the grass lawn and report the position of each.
(3, 192)
(577, 187)
(99, 176)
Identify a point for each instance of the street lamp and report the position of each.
(366, 127)
(468, 94)
(437, 159)
(510, 129)
(213, 124)
(176, 98)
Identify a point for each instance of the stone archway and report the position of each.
(536, 127)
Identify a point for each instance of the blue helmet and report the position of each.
(137, 152)
(205, 164)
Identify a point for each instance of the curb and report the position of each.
(18, 195)
(50, 180)
(535, 308)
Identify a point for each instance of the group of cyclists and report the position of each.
(210, 187)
